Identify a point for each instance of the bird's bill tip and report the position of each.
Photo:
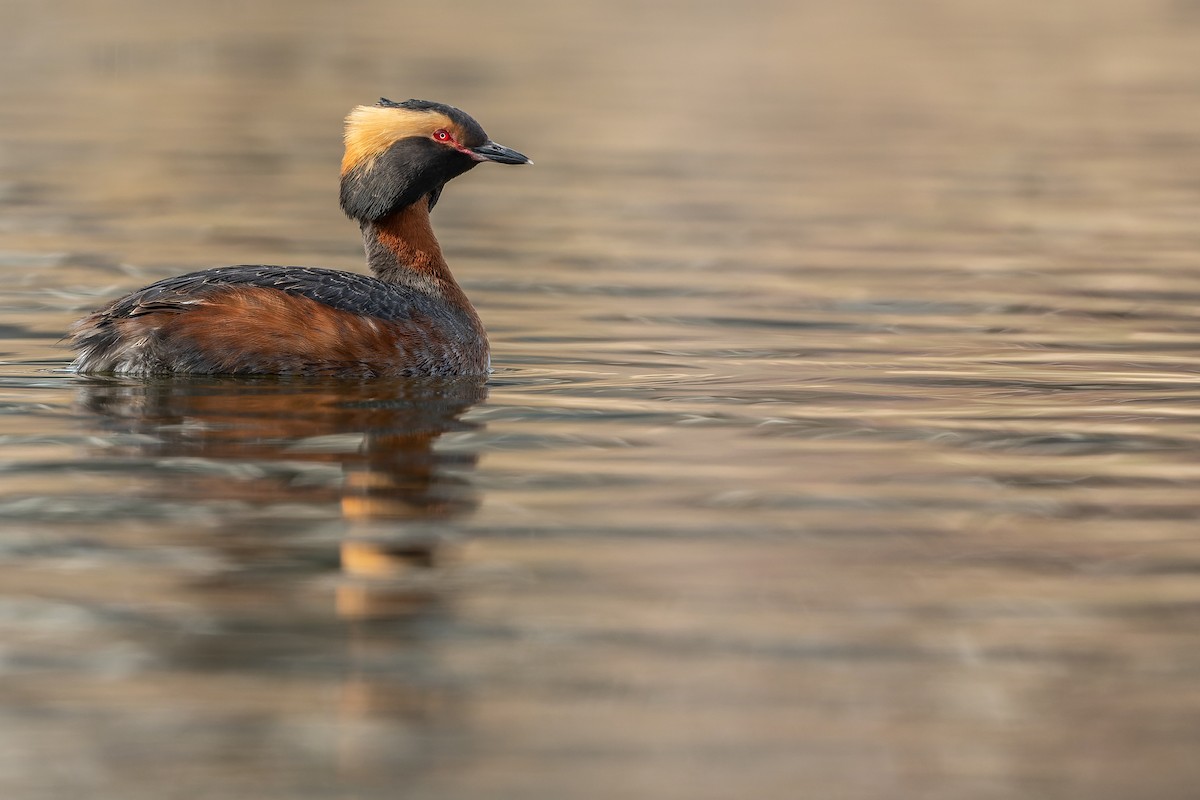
(490, 151)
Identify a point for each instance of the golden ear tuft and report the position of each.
(370, 130)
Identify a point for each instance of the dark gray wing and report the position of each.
(345, 291)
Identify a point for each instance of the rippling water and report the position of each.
(843, 439)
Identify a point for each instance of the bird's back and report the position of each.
(281, 320)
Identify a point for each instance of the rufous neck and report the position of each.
(402, 247)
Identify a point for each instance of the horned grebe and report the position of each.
(410, 319)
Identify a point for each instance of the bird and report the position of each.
(409, 318)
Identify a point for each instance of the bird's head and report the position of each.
(400, 153)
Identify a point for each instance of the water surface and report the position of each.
(843, 438)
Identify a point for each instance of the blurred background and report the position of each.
(842, 440)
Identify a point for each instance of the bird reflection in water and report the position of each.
(395, 493)
(395, 486)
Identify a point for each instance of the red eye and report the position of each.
(442, 135)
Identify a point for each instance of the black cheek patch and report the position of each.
(409, 169)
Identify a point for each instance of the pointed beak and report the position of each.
(490, 151)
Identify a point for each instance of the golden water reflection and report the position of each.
(380, 435)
